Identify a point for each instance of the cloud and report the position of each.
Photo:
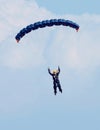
(79, 51)
(73, 50)
(14, 16)
(19, 56)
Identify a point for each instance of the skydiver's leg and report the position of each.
(55, 88)
(59, 86)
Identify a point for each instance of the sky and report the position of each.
(27, 100)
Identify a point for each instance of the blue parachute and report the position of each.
(45, 23)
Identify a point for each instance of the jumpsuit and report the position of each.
(56, 82)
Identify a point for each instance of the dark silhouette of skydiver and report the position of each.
(56, 82)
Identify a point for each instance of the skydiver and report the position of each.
(56, 82)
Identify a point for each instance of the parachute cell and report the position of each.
(42, 24)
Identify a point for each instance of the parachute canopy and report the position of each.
(45, 23)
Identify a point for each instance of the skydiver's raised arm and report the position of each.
(58, 69)
(49, 71)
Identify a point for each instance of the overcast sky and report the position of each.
(27, 100)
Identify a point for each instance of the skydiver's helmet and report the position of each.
(55, 72)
